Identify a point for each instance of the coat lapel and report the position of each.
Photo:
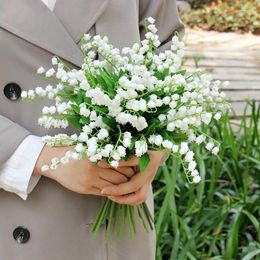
(119, 22)
(85, 13)
(34, 22)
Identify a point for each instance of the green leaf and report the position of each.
(80, 97)
(144, 161)
(232, 242)
(121, 74)
(91, 80)
(107, 81)
(182, 72)
(101, 109)
(133, 140)
(110, 122)
(152, 126)
(251, 255)
(166, 135)
(68, 94)
(84, 120)
(174, 137)
(75, 108)
(161, 75)
(101, 82)
(87, 100)
(74, 120)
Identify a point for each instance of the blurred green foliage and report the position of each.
(219, 217)
(226, 15)
(198, 3)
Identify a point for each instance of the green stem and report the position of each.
(115, 216)
(110, 219)
(131, 220)
(148, 215)
(140, 213)
(119, 220)
(100, 217)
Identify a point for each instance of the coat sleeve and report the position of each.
(11, 135)
(166, 17)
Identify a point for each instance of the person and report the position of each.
(49, 215)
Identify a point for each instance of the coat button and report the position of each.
(12, 91)
(21, 235)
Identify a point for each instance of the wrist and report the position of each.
(45, 157)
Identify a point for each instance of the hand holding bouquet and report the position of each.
(124, 104)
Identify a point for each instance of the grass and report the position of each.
(218, 218)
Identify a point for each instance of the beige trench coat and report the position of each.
(57, 219)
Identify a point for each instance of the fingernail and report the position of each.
(106, 192)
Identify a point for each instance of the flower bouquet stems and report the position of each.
(114, 216)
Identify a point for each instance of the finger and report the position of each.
(112, 176)
(127, 171)
(95, 191)
(136, 182)
(132, 161)
(101, 184)
(103, 164)
(134, 198)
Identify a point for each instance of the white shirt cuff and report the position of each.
(16, 173)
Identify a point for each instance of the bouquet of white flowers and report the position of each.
(125, 103)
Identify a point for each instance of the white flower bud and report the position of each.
(45, 168)
(114, 164)
(197, 179)
(84, 111)
(31, 94)
(217, 116)
(102, 134)
(189, 156)
(209, 146)
(41, 70)
(121, 151)
(50, 95)
(151, 104)
(45, 110)
(50, 72)
(184, 148)
(39, 91)
(24, 94)
(64, 160)
(175, 148)
(192, 166)
(150, 20)
(171, 126)
(175, 97)
(54, 166)
(200, 139)
(158, 140)
(52, 110)
(75, 156)
(79, 147)
(215, 150)
(167, 144)
(162, 117)
(194, 173)
(166, 100)
(141, 148)
(54, 61)
(173, 104)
